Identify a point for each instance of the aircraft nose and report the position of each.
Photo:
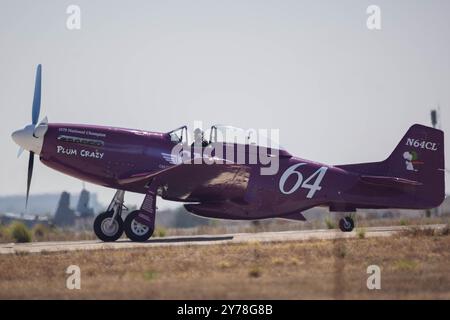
(25, 139)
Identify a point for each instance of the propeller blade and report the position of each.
(30, 174)
(37, 96)
(19, 153)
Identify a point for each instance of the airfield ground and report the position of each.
(414, 264)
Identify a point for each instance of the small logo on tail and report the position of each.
(411, 160)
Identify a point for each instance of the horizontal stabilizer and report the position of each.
(392, 182)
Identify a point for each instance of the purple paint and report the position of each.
(412, 177)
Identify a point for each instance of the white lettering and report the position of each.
(83, 153)
(69, 152)
(188, 310)
(74, 280)
(374, 280)
(374, 19)
(91, 154)
(421, 144)
(74, 19)
(313, 188)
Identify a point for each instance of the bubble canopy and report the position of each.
(219, 133)
(268, 138)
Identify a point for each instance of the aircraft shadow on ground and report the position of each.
(189, 239)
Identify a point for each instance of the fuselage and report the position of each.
(117, 158)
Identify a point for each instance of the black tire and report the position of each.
(346, 224)
(100, 227)
(136, 231)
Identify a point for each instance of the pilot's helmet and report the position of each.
(198, 133)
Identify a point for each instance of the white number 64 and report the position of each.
(318, 176)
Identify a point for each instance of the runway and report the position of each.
(303, 235)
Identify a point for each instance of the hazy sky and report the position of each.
(338, 92)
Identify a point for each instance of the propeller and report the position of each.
(36, 109)
(19, 153)
(30, 175)
(37, 96)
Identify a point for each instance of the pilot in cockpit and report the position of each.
(199, 139)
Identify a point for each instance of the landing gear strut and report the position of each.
(138, 225)
(108, 226)
(346, 224)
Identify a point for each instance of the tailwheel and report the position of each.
(346, 224)
(107, 227)
(135, 230)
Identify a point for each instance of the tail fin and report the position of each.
(420, 156)
(417, 160)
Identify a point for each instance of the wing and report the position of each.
(197, 182)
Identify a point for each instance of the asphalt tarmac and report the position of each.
(303, 235)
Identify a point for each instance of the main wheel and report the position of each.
(346, 224)
(106, 229)
(136, 231)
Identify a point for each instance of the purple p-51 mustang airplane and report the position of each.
(412, 177)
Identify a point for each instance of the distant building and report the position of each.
(64, 216)
(83, 209)
(44, 204)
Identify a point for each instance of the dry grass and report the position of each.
(44, 233)
(412, 266)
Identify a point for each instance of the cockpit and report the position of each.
(179, 135)
(267, 138)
